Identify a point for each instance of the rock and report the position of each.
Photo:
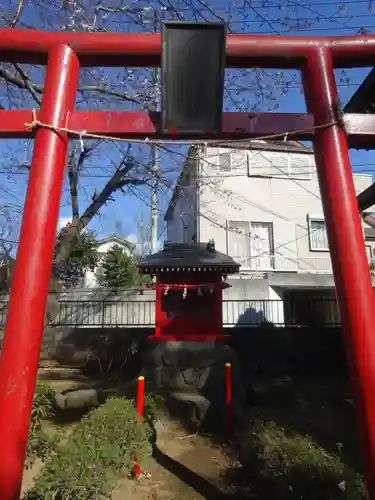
(76, 399)
(60, 401)
(193, 407)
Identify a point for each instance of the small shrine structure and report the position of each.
(190, 278)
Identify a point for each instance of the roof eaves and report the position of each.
(118, 239)
(363, 101)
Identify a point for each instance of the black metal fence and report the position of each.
(106, 313)
(241, 313)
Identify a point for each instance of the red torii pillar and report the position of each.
(346, 242)
(25, 320)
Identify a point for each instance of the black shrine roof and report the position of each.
(191, 257)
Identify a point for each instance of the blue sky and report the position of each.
(274, 91)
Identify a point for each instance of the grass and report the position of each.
(85, 459)
(281, 464)
(40, 443)
(301, 443)
(100, 449)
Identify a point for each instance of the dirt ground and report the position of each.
(187, 467)
(190, 467)
(184, 466)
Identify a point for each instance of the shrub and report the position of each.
(42, 404)
(100, 449)
(112, 352)
(119, 269)
(39, 444)
(287, 466)
(154, 406)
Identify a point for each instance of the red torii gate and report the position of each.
(331, 132)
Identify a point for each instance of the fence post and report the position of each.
(103, 313)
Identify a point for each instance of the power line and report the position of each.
(223, 10)
(365, 167)
(249, 234)
(286, 86)
(227, 229)
(269, 254)
(360, 30)
(294, 29)
(280, 20)
(276, 4)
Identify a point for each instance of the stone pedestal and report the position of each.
(193, 374)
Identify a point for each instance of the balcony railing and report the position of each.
(297, 264)
(241, 313)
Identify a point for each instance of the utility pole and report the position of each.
(154, 198)
(154, 168)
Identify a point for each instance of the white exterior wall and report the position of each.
(277, 188)
(248, 193)
(248, 300)
(276, 312)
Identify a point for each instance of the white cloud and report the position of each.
(132, 238)
(63, 221)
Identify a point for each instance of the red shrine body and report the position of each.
(189, 291)
(189, 306)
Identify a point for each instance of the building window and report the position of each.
(224, 162)
(251, 244)
(238, 237)
(318, 235)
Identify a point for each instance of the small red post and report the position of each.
(228, 398)
(140, 412)
(25, 320)
(140, 398)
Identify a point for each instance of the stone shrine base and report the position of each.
(192, 377)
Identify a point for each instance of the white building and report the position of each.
(262, 206)
(105, 244)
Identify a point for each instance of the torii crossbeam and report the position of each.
(57, 121)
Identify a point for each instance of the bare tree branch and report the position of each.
(73, 184)
(17, 16)
(74, 170)
(28, 84)
(23, 82)
(244, 89)
(118, 181)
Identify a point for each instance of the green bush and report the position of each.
(42, 404)
(100, 449)
(154, 406)
(284, 465)
(40, 445)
